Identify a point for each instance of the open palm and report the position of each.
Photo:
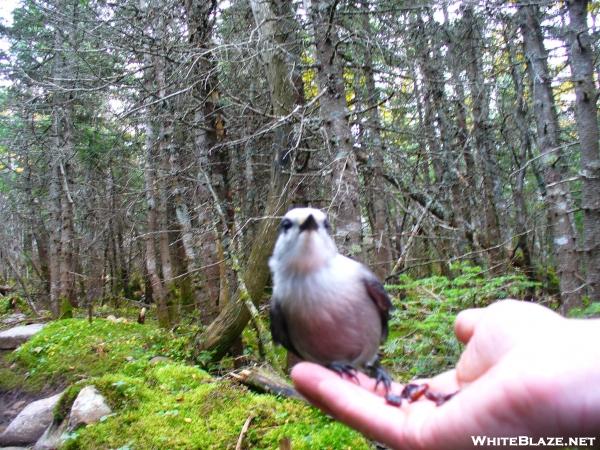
(525, 371)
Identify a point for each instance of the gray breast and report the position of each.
(331, 318)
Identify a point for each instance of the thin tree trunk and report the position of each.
(466, 181)
(521, 120)
(377, 198)
(158, 289)
(164, 184)
(345, 207)
(213, 274)
(159, 294)
(480, 101)
(61, 209)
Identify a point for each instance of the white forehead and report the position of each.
(299, 215)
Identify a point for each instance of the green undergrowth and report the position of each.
(166, 404)
(12, 303)
(588, 311)
(422, 341)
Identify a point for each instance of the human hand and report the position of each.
(525, 371)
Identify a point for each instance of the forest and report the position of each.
(148, 150)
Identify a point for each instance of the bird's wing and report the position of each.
(279, 329)
(377, 293)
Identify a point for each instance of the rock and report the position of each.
(158, 359)
(30, 424)
(53, 437)
(89, 407)
(13, 337)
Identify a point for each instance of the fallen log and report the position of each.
(262, 379)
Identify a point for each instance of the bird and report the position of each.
(326, 308)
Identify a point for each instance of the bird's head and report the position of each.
(304, 243)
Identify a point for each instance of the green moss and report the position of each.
(208, 416)
(68, 350)
(66, 309)
(178, 377)
(63, 407)
(9, 379)
(13, 303)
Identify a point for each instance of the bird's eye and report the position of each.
(285, 225)
(327, 225)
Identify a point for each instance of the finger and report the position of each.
(351, 404)
(360, 379)
(445, 382)
(465, 323)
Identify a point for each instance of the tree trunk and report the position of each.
(213, 273)
(158, 289)
(521, 120)
(480, 101)
(159, 294)
(61, 210)
(232, 319)
(345, 207)
(165, 182)
(557, 192)
(377, 197)
(581, 59)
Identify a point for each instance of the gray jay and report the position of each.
(326, 308)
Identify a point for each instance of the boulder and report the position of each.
(89, 407)
(31, 423)
(53, 437)
(13, 337)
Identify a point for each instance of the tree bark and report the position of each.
(231, 321)
(480, 101)
(345, 208)
(557, 193)
(581, 59)
(212, 278)
(62, 294)
(521, 121)
(377, 196)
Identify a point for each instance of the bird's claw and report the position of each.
(381, 376)
(345, 369)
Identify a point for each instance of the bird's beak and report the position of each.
(309, 224)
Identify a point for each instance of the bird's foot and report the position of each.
(382, 377)
(344, 369)
(413, 392)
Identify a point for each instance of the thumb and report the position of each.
(465, 323)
